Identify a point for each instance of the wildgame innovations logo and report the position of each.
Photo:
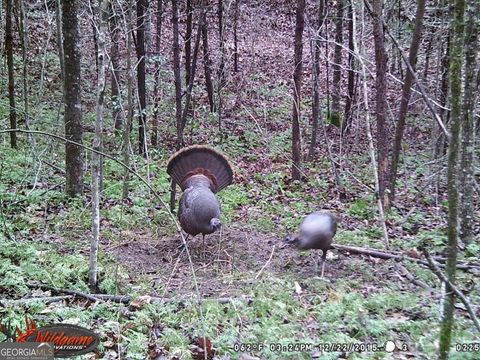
(67, 340)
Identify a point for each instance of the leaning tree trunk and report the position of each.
(467, 179)
(61, 56)
(380, 100)
(337, 66)
(142, 119)
(97, 144)
(11, 80)
(297, 80)
(406, 92)
(73, 101)
(316, 114)
(455, 74)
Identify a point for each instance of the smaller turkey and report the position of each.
(316, 232)
(200, 171)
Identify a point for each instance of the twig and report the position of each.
(266, 264)
(436, 270)
(45, 299)
(404, 272)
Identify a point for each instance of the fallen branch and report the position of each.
(64, 291)
(398, 256)
(122, 299)
(443, 278)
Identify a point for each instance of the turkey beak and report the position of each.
(290, 240)
(216, 224)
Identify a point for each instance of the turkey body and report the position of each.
(317, 231)
(198, 207)
(200, 172)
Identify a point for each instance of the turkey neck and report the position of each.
(198, 181)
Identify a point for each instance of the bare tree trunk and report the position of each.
(193, 68)
(142, 119)
(176, 72)
(188, 42)
(297, 79)
(406, 92)
(23, 30)
(158, 37)
(73, 102)
(380, 99)
(455, 75)
(371, 146)
(351, 73)
(115, 58)
(97, 144)
(207, 65)
(11, 80)
(93, 8)
(235, 37)
(467, 173)
(316, 114)
(337, 63)
(127, 127)
(438, 136)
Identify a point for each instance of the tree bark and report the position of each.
(455, 75)
(351, 73)
(380, 100)
(406, 92)
(11, 80)
(176, 72)
(235, 36)
(73, 101)
(115, 58)
(128, 125)
(467, 174)
(207, 65)
(221, 67)
(188, 42)
(97, 144)
(140, 47)
(193, 68)
(297, 79)
(316, 114)
(61, 56)
(337, 69)
(158, 37)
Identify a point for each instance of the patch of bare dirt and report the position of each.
(227, 265)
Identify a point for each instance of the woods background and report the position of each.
(367, 109)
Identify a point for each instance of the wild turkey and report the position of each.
(200, 172)
(316, 232)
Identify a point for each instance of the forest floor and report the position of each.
(254, 291)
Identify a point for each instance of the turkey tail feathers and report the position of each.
(199, 159)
